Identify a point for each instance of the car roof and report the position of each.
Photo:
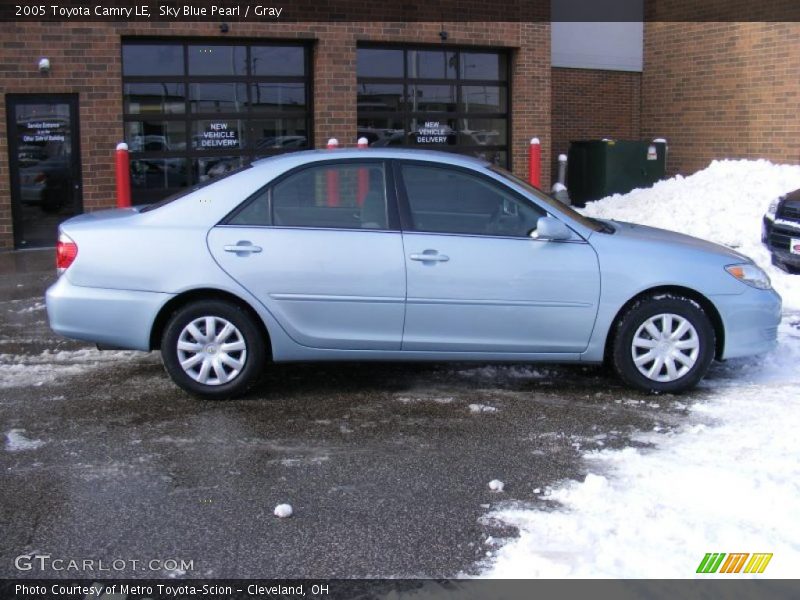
(293, 159)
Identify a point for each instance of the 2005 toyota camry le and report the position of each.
(392, 254)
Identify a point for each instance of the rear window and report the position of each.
(189, 190)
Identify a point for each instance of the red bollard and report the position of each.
(363, 176)
(535, 163)
(123, 168)
(333, 178)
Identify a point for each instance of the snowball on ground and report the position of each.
(17, 441)
(283, 510)
(496, 485)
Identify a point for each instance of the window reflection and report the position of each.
(380, 96)
(445, 99)
(480, 65)
(278, 96)
(217, 97)
(216, 166)
(432, 98)
(277, 60)
(279, 133)
(236, 103)
(483, 98)
(427, 64)
(146, 98)
(379, 62)
(155, 136)
(152, 59)
(217, 60)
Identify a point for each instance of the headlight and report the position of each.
(751, 275)
(772, 209)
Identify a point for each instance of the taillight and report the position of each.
(66, 251)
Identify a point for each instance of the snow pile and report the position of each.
(731, 486)
(724, 203)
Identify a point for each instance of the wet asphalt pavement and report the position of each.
(386, 465)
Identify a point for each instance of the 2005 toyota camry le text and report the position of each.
(390, 254)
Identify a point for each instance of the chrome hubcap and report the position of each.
(211, 350)
(665, 347)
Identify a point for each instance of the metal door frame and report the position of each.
(12, 101)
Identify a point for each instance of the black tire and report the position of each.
(252, 359)
(698, 347)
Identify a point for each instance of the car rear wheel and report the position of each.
(663, 343)
(213, 349)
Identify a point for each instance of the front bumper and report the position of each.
(109, 317)
(750, 321)
(777, 237)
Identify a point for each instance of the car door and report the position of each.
(321, 249)
(477, 281)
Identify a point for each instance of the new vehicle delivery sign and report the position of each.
(219, 135)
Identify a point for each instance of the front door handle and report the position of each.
(430, 256)
(242, 248)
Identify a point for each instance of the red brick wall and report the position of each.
(593, 104)
(722, 90)
(86, 60)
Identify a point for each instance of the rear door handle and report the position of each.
(429, 256)
(242, 248)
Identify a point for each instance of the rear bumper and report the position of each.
(750, 321)
(108, 317)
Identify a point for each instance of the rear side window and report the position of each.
(344, 196)
(444, 200)
(255, 213)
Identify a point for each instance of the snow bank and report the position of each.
(730, 486)
(723, 203)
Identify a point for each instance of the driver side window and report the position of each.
(446, 200)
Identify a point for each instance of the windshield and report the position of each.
(189, 190)
(555, 205)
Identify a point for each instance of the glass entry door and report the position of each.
(44, 164)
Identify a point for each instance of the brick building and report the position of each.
(722, 90)
(193, 101)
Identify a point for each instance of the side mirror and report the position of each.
(550, 228)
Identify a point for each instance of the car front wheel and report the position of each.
(663, 343)
(213, 349)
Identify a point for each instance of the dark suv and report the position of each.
(781, 231)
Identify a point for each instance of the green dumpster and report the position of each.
(599, 168)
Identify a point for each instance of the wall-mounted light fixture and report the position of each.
(44, 65)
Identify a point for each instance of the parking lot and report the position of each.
(386, 466)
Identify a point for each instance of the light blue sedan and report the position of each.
(390, 254)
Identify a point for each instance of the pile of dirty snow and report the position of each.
(723, 203)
